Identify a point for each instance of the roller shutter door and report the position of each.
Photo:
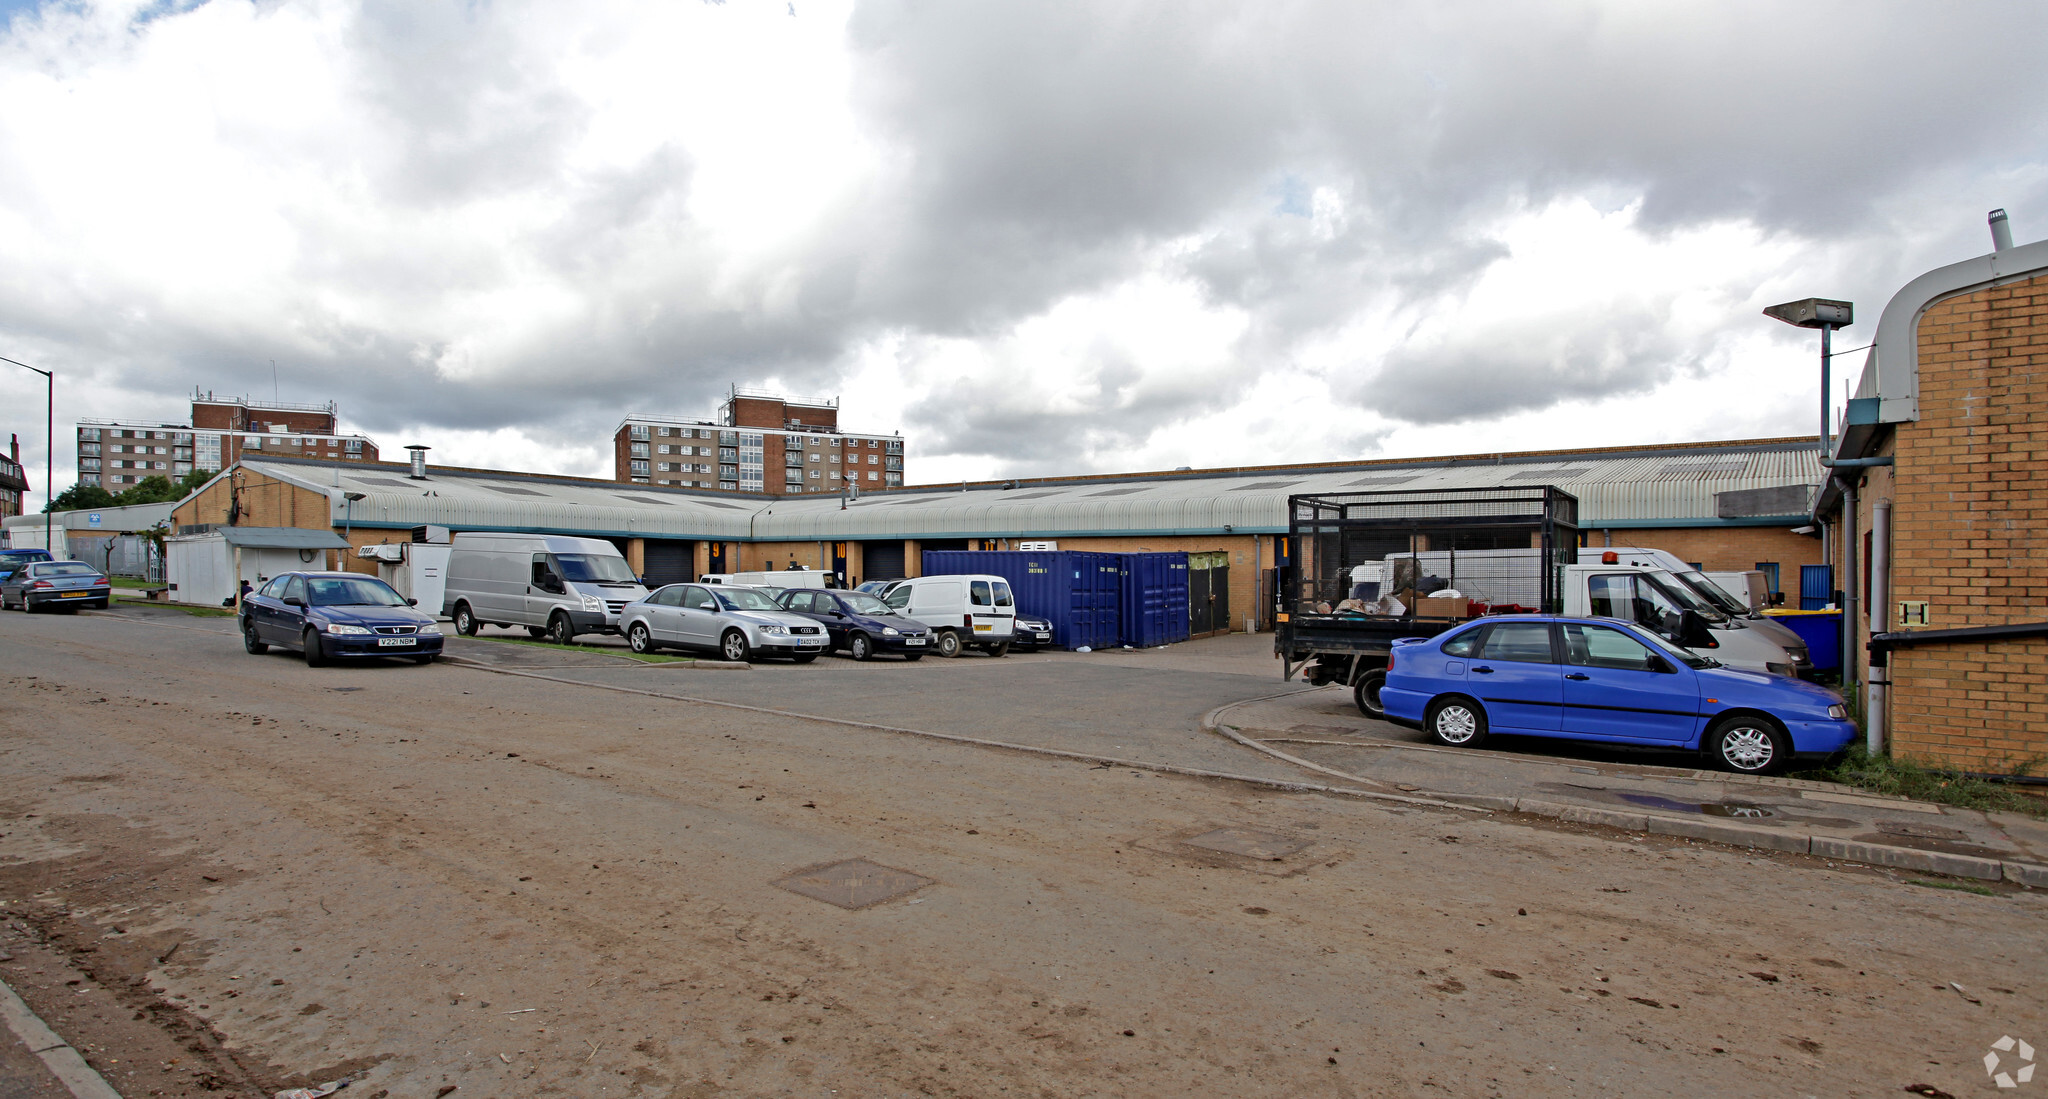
(669, 562)
(881, 560)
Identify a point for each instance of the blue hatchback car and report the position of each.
(334, 615)
(1606, 680)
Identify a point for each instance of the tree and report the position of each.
(149, 490)
(189, 483)
(79, 497)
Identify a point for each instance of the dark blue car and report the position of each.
(337, 615)
(13, 559)
(860, 623)
(1606, 680)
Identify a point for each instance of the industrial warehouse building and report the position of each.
(1733, 505)
(1946, 549)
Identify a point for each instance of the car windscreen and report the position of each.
(745, 599)
(337, 591)
(860, 602)
(1714, 593)
(1685, 597)
(1681, 653)
(66, 568)
(594, 568)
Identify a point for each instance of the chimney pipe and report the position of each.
(419, 461)
(2001, 231)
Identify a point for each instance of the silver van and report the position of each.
(555, 585)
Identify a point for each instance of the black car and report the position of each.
(337, 615)
(63, 585)
(1032, 632)
(860, 623)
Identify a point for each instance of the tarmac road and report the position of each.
(441, 875)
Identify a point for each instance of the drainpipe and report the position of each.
(1849, 601)
(1880, 612)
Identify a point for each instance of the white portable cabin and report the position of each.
(203, 568)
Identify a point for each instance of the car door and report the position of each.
(263, 607)
(1517, 676)
(1616, 687)
(661, 613)
(290, 624)
(697, 619)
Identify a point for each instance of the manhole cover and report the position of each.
(1249, 842)
(1919, 831)
(855, 883)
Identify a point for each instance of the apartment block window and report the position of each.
(728, 438)
(894, 462)
(661, 431)
(873, 443)
(663, 449)
(729, 473)
(88, 448)
(353, 446)
(637, 431)
(639, 469)
(181, 468)
(639, 450)
(874, 476)
(814, 475)
(895, 446)
(89, 465)
(817, 457)
(834, 459)
(893, 479)
(92, 433)
(728, 454)
(729, 486)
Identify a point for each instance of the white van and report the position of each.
(554, 585)
(1747, 586)
(961, 611)
(790, 578)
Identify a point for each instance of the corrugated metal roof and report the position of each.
(1660, 486)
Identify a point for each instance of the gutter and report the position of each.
(1882, 644)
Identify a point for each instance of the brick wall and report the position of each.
(1970, 530)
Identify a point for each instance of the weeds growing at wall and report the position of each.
(1909, 778)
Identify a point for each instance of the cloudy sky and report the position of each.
(1036, 238)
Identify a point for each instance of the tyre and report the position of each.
(947, 643)
(536, 632)
(999, 650)
(251, 642)
(426, 658)
(804, 658)
(1456, 722)
(465, 620)
(733, 646)
(639, 639)
(859, 647)
(913, 657)
(1749, 746)
(310, 645)
(560, 630)
(1366, 693)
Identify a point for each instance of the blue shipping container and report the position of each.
(1076, 591)
(1154, 600)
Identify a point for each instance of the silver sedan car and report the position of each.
(739, 623)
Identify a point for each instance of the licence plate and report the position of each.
(395, 642)
(812, 644)
(74, 595)
(913, 641)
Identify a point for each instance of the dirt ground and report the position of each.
(453, 882)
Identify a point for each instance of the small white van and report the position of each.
(961, 611)
(554, 585)
(789, 578)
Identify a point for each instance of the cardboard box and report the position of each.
(1436, 606)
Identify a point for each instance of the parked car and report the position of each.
(67, 585)
(15, 558)
(336, 616)
(860, 623)
(963, 610)
(740, 623)
(877, 587)
(1033, 632)
(1606, 680)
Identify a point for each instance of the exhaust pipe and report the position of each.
(2001, 231)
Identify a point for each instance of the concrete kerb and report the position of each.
(57, 1055)
(1734, 835)
(980, 742)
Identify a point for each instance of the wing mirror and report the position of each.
(412, 602)
(1657, 663)
(1777, 599)
(294, 601)
(1693, 632)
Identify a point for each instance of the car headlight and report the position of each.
(890, 631)
(1782, 669)
(592, 603)
(1838, 711)
(341, 629)
(772, 630)
(430, 628)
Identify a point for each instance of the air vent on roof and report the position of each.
(1367, 482)
(1265, 486)
(1551, 474)
(510, 491)
(1118, 491)
(646, 500)
(384, 481)
(721, 504)
(1028, 496)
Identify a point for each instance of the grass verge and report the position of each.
(1907, 778)
(644, 658)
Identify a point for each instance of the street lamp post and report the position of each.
(49, 453)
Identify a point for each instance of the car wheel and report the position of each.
(465, 620)
(1749, 746)
(859, 647)
(536, 632)
(426, 658)
(1367, 693)
(804, 658)
(641, 641)
(1456, 722)
(947, 643)
(999, 650)
(913, 657)
(560, 630)
(733, 646)
(310, 645)
(251, 641)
